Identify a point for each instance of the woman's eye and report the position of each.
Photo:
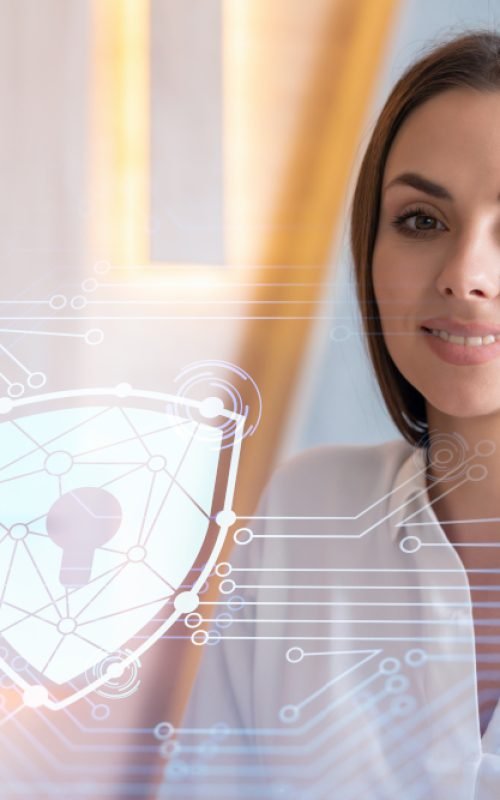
(424, 222)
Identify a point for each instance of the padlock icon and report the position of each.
(107, 499)
(78, 522)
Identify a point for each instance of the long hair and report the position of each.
(472, 61)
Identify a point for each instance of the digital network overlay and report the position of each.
(107, 529)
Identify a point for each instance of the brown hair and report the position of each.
(471, 60)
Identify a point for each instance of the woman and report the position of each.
(356, 641)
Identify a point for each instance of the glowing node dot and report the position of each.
(416, 657)
(443, 456)
(58, 463)
(476, 472)
(115, 670)
(225, 518)
(223, 569)
(36, 380)
(340, 333)
(79, 301)
(157, 463)
(164, 730)
(199, 637)
(66, 625)
(94, 336)
(193, 620)
(211, 407)
(6, 405)
(289, 714)
(185, 602)
(243, 535)
(123, 390)
(485, 447)
(89, 285)
(19, 530)
(227, 587)
(20, 664)
(57, 301)
(35, 696)
(100, 712)
(396, 684)
(223, 620)
(410, 544)
(402, 705)
(213, 637)
(388, 666)
(295, 654)
(137, 553)
(15, 390)
(170, 747)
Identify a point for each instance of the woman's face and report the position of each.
(439, 269)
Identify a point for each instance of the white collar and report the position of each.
(409, 485)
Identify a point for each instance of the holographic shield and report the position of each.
(114, 505)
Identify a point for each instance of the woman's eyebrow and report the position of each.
(422, 184)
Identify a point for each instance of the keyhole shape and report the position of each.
(78, 522)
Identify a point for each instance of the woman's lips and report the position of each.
(458, 328)
(462, 355)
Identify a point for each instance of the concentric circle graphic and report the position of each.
(121, 682)
(217, 385)
(448, 454)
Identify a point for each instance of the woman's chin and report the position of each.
(463, 405)
(460, 393)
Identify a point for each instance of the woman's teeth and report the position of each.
(468, 341)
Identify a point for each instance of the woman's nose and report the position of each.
(472, 270)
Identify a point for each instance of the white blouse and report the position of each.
(341, 658)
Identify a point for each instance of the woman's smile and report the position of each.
(462, 343)
(462, 353)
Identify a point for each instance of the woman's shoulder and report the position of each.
(338, 455)
(338, 472)
(318, 495)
